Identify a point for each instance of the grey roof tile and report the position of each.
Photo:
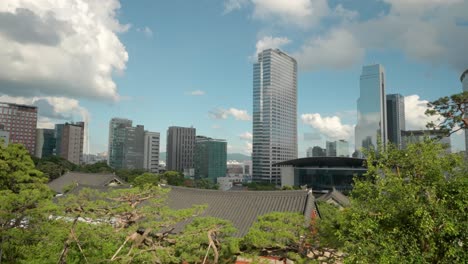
(241, 207)
(96, 180)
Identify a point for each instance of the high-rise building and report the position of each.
(180, 145)
(417, 136)
(371, 107)
(151, 152)
(4, 136)
(71, 138)
(117, 132)
(395, 118)
(274, 114)
(316, 151)
(210, 158)
(45, 142)
(330, 148)
(464, 81)
(20, 122)
(134, 147)
(342, 148)
(338, 148)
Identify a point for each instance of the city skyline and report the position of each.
(156, 72)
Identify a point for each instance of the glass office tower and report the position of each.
(395, 118)
(210, 158)
(274, 114)
(117, 134)
(371, 108)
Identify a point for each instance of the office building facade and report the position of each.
(45, 142)
(339, 148)
(210, 158)
(180, 146)
(371, 109)
(4, 136)
(395, 118)
(151, 152)
(418, 136)
(274, 114)
(316, 151)
(71, 138)
(134, 145)
(20, 122)
(117, 132)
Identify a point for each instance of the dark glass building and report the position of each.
(322, 173)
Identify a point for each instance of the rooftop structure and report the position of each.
(242, 207)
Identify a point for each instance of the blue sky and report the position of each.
(189, 63)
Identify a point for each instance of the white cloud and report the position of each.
(146, 31)
(412, 22)
(270, 42)
(330, 127)
(337, 50)
(248, 148)
(415, 108)
(302, 13)
(238, 114)
(232, 5)
(246, 136)
(197, 93)
(61, 48)
(215, 126)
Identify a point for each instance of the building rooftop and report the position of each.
(324, 162)
(336, 196)
(91, 180)
(242, 207)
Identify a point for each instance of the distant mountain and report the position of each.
(230, 156)
(238, 157)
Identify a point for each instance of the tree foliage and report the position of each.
(410, 207)
(452, 112)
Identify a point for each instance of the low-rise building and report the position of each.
(322, 173)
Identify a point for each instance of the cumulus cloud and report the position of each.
(238, 114)
(302, 13)
(330, 127)
(197, 93)
(146, 31)
(52, 109)
(60, 48)
(412, 22)
(415, 107)
(270, 42)
(246, 136)
(232, 5)
(337, 50)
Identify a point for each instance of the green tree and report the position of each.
(410, 207)
(98, 167)
(51, 170)
(279, 233)
(207, 238)
(452, 113)
(206, 184)
(25, 201)
(146, 178)
(173, 178)
(129, 175)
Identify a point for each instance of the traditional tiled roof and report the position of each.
(242, 207)
(91, 180)
(336, 196)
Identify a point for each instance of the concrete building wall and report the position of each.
(20, 121)
(180, 146)
(72, 141)
(151, 152)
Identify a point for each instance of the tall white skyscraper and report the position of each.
(371, 108)
(464, 81)
(151, 152)
(274, 114)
